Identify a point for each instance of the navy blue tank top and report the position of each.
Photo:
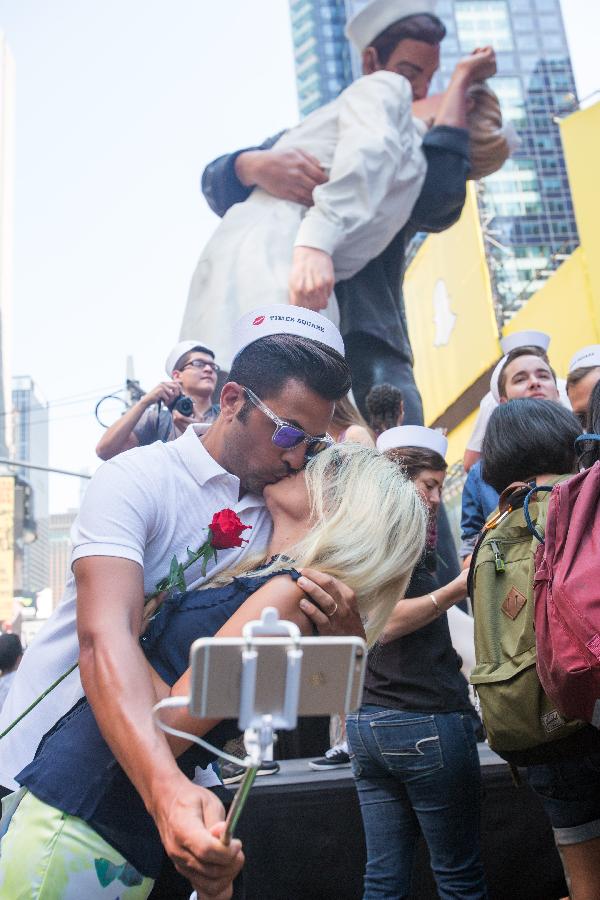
(74, 769)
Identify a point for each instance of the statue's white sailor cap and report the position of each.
(413, 436)
(514, 342)
(376, 16)
(524, 339)
(586, 358)
(279, 318)
(180, 349)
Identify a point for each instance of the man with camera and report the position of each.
(165, 412)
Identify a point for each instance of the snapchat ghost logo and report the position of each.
(443, 317)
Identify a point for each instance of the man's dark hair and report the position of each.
(515, 354)
(267, 364)
(425, 28)
(384, 405)
(525, 438)
(184, 360)
(10, 651)
(414, 460)
(590, 450)
(578, 375)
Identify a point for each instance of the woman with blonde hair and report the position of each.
(81, 829)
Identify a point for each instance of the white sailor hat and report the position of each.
(375, 17)
(524, 339)
(496, 378)
(586, 358)
(413, 436)
(179, 350)
(513, 342)
(279, 318)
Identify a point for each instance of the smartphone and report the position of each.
(331, 679)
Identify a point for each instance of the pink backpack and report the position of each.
(567, 598)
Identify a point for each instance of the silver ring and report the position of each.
(331, 614)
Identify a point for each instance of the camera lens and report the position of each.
(185, 406)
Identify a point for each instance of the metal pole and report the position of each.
(26, 465)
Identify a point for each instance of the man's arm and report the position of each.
(289, 174)
(117, 682)
(446, 147)
(443, 194)
(121, 434)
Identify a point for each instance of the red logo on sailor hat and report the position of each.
(259, 320)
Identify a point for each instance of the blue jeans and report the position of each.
(418, 772)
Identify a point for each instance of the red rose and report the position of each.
(225, 530)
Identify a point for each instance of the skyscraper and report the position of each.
(321, 52)
(30, 420)
(7, 143)
(526, 208)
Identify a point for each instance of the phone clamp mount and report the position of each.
(258, 728)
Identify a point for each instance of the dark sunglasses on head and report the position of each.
(288, 436)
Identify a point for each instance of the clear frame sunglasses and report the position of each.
(288, 436)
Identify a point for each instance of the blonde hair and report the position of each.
(368, 529)
(491, 142)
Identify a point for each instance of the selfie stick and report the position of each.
(258, 728)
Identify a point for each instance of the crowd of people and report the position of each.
(290, 405)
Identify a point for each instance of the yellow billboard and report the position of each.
(7, 555)
(450, 312)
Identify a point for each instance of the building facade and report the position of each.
(59, 538)
(7, 146)
(526, 209)
(30, 439)
(321, 52)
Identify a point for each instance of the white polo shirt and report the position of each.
(145, 505)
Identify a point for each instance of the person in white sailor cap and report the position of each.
(368, 149)
(415, 694)
(508, 383)
(524, 371)
(583, 375)
(150, 505)
(164, 413)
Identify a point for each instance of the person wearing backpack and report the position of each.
(528, 446)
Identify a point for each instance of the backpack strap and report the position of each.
(532, 528)
(511, 498)
(587, 437)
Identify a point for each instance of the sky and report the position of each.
(119, 106)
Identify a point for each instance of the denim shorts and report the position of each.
(570, 792)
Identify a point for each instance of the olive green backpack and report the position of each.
(517, 714)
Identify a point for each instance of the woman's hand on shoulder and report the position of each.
(334, 607)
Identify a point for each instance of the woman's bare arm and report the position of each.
(280, 592)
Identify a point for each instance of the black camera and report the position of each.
(183, 405)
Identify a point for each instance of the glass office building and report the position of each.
(526, 209)
(321, 52)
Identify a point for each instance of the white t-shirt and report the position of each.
(145, 505)
(487, 407)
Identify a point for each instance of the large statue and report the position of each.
(376, 160)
